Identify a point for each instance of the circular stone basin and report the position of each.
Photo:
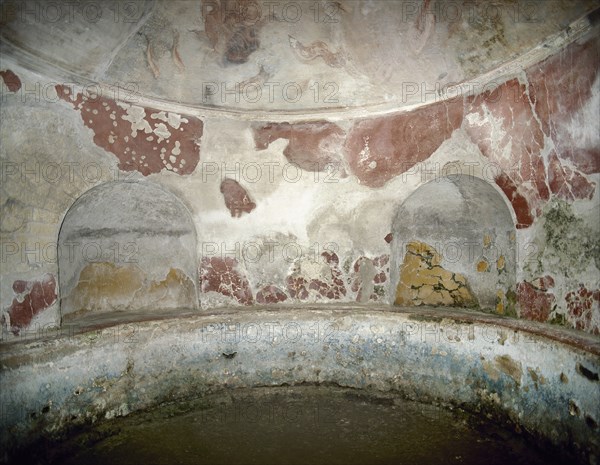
(295, 425)
(396, 383)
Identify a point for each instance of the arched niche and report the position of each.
(454, 244)
(127, 246)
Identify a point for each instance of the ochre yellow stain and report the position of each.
(500, 301)
(500, 263)
(487, 240)
(104, 285)
(424, 282)
(510, 367)
(482, 266)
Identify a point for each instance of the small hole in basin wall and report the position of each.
(126, 246)
(593, 424)
(454, 244)
(586, 372)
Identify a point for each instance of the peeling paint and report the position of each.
(140, 137)
(222, 275)
(33, 297)
(424, 282)
(311, 146)
(11, 80)
(395, 143)
(236, 198)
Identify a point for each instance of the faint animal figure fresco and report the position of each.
(318, 49)
(423, 27)
(151, 59)
(175, 52)
(162, 38)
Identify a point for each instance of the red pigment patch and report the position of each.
(221, 275)
(11, 80)
(379, 149)
(143, 139)
(311, 146)
(35, 296)
(518, 201)
(535, 304)
(563, 85)
(20, 286)
(566, 183)
(388, 238)
(381, 272)
(582, 304)
(270, 295)
(381, 264)
(301, 288)
(297, 287)
(236, 198)
(333, 289)
(506, 131)
(331, 258)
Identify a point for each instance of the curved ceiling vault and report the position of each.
(301, 57)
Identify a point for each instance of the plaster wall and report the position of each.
(542, 379)
(141, 251)
(297, 205)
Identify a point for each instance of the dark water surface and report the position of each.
(298, 425)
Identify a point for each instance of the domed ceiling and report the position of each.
(246, 56)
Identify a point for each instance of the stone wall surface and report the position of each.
(538, 378)
(304, 206)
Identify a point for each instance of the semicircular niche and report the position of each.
(454, 245)
(126, 246)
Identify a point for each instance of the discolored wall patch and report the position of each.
(316, 279)
(11, 80)
(106, 287)
(232, 28)
(424, 282)
(143, 139)
(271, 295)
(379, 149)
(32, 297)
(369, 278)
(223, 275)
(535, 302)
(237, 200)
(312, 146)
